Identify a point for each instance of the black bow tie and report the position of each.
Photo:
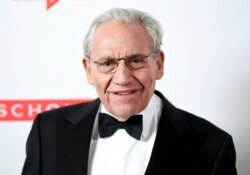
(108, 125)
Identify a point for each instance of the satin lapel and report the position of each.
(73, 138)
(175, 141)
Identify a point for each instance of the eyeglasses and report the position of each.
(133, 62)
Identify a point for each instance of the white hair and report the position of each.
(151, 25)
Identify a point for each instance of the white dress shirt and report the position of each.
(121, 154)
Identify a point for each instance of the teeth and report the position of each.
(124, 93)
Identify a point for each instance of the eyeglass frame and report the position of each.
(117, 61)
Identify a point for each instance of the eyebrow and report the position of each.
(113, 58)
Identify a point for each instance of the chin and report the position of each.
(126, 112)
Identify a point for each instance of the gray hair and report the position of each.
(151, 25)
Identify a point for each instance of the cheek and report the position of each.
(146, 79)
(101, 82)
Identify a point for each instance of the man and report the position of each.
(131, 129)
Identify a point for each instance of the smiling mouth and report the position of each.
(128, 92)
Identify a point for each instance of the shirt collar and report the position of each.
(151, 115)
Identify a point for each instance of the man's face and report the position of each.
(124, 92)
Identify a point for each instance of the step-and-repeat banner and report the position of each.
(206, 44)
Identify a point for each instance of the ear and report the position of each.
(160, 65)
(88, 70)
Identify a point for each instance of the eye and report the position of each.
(135, 59)
(108, 63)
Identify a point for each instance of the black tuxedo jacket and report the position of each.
(59, 141)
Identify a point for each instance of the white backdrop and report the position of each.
(207, 72)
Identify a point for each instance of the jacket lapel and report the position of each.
(73, 138)
(175, 142)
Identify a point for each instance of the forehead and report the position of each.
(117, 38)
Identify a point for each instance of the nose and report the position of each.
(123, 75)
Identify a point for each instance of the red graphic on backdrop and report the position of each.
(49, 3)
(26, 110)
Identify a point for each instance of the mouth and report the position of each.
(125, 92)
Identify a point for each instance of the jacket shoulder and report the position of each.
(202, 125)
(73, 113)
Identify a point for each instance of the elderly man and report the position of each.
(131, 129)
